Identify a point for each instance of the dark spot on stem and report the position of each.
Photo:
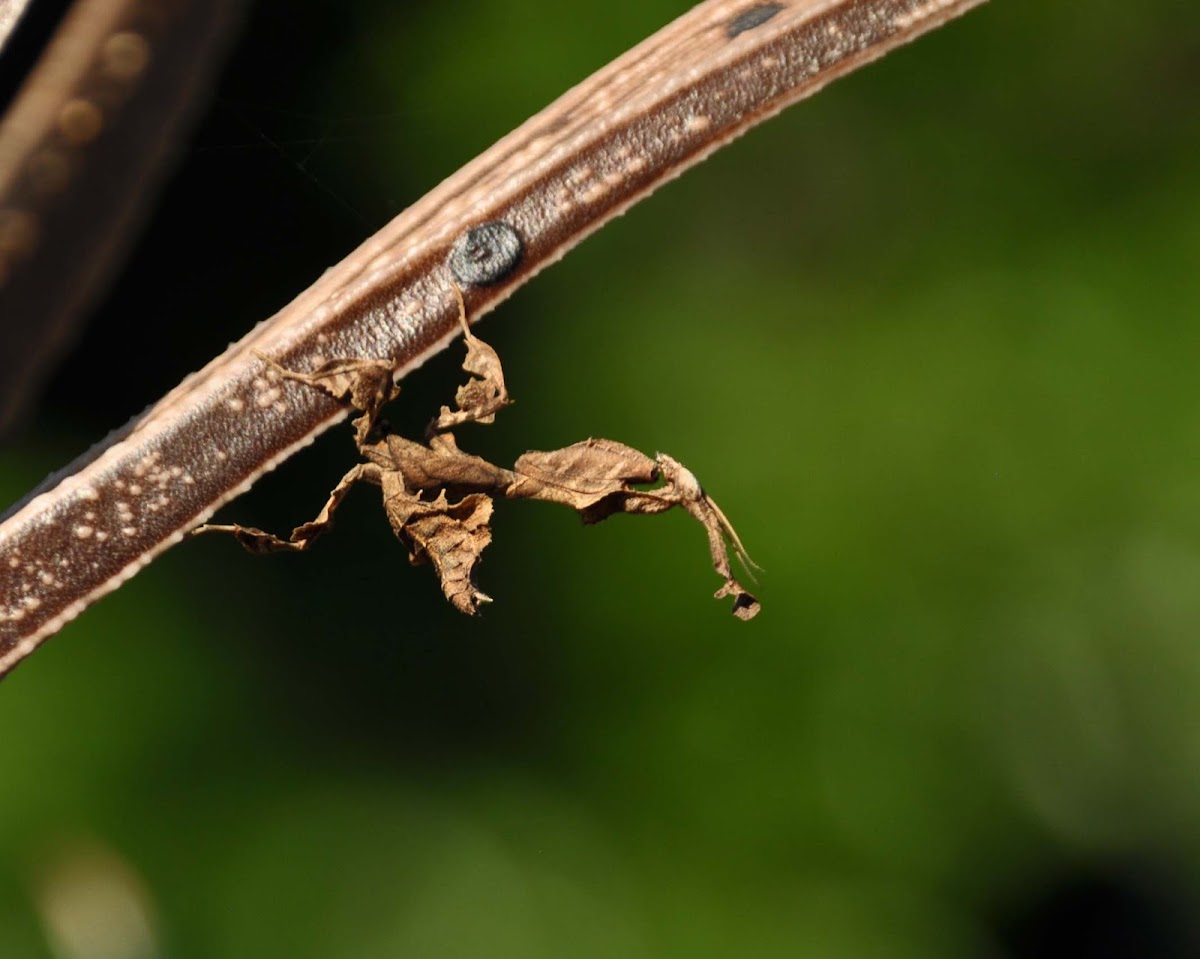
(485, 254)
(754, 17)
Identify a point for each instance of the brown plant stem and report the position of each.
(643, 119)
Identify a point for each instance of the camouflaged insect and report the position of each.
(439, 499)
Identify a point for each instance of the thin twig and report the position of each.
(643, 119)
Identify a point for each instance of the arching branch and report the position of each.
(652, 113)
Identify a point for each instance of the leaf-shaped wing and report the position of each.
(450, 536)
(482, 396)
(595, 477)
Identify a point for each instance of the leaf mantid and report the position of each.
(439, 499)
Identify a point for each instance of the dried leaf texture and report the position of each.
(593, 477)
(259, 542)
(365, 385)
(598, 478)
(451, 536)
(439, 500)
(482, 396)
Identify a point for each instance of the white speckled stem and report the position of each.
(602, 146)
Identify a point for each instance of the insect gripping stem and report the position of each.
(439, 500)
(603, 146)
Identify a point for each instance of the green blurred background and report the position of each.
(929, 339)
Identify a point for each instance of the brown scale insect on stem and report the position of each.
(439, 500)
